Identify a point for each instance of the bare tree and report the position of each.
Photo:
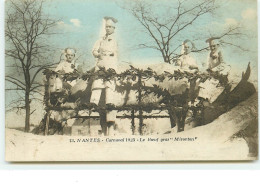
(27, 50)
(167, 23)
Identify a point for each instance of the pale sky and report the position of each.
(81, 22)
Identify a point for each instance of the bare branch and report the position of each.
(17, 80)
(40, 69)
(14, 89)
(236, 46)
(15, 83)
(163, 31)
(33, 111)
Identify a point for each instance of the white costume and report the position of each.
(65, 67)
(108, 50)
(211, 89)
(107, 47)
(186, 62)
(215, 60)
(216, 63)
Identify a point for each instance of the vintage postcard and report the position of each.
(121, 80)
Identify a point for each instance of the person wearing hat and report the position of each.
(67, 66)
(106, 53)
(215, 59)
(185, 61)
(210, 89)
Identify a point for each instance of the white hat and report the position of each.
(213, 41)
(110, 21)
(185, 43)
(72, 49)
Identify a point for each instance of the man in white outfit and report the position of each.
(210, 89)
(186, 61)
(215, 60)
(106, 53)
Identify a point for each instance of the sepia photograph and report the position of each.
(131, 80)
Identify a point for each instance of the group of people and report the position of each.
(105, 52)
(214, 61)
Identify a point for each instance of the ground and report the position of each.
(209, 142)
(29, 147)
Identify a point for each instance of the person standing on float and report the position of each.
(106, 53)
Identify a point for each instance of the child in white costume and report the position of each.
(67, 66)
(186, 61)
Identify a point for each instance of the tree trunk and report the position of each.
(141, 121)
(166, 58)
(171, 114)
(27, 112)
(47, 123)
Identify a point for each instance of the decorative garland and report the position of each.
(134, 74)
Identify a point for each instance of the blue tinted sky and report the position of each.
(81, 23)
